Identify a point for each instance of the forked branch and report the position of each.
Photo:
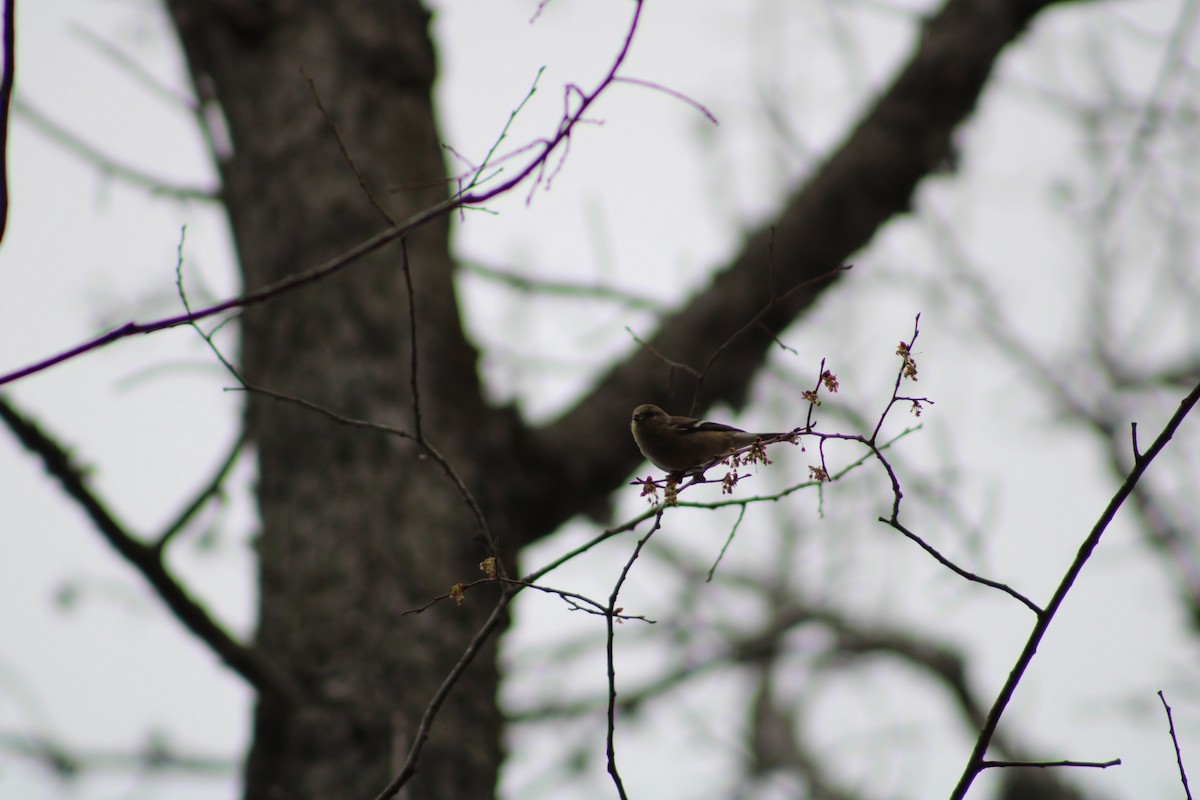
(977, 761)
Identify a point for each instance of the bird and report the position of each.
(686, 446)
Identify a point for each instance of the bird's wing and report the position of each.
(697, 425)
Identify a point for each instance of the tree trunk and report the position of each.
(357, 527)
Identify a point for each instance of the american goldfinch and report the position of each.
(682, 445)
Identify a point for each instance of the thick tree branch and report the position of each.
(904, 137)
(147, 559)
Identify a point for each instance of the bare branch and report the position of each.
(6, 90)
(610, 738)
(136, 71)
(757, 321)
(409, 768)
(1175, 741)
(157, 755)
(412, 367)
(957, 570)
(658, 87)
(433, 452)
(908, 369)
(106, 164)
(1115, 762)
(337, 136)
(728, 541)
(211, 490)
(562, 288)
(975, 763)
(147, 559)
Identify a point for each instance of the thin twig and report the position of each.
(671, 365)
(575, 600)
(813, 401)
(107, 164)
(756, 320)
(1114, 762)
(140, 75)
(490, 626)
(610, 738)
(658, 87)
(603, 536)
(412, 341)
(957, 570)
(6, 90)
(202, 497)
(424, 444)
(563, 288)
(907, 368)
(187, 307)
(1175, 741)
(729, 540)
(155, 757)
(337, 137)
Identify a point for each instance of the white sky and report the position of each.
(649, 201)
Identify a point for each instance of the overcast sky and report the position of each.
(650, 202)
